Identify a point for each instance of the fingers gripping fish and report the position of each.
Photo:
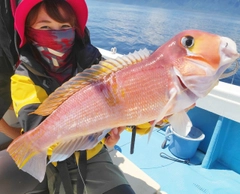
(130, 90)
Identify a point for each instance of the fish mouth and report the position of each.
(229, 56)
(228, 52)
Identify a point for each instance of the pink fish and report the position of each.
(130, 90)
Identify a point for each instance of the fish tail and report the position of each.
(28, 158)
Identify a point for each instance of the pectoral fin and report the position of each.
(181, 123)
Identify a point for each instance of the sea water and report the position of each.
(133, 27)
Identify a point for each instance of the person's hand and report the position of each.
(9, 131)
(114, 136)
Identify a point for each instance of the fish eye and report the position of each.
(187, 41)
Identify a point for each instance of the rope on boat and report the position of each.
(164, 155)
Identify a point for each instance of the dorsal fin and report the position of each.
(88, 76)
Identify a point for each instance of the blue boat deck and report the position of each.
(175, 177)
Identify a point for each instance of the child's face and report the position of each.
(44, 22)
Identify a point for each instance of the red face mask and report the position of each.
(53, 45)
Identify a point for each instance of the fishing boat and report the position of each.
(153, 167)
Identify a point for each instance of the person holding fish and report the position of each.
(62, 112)
(54, 46)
